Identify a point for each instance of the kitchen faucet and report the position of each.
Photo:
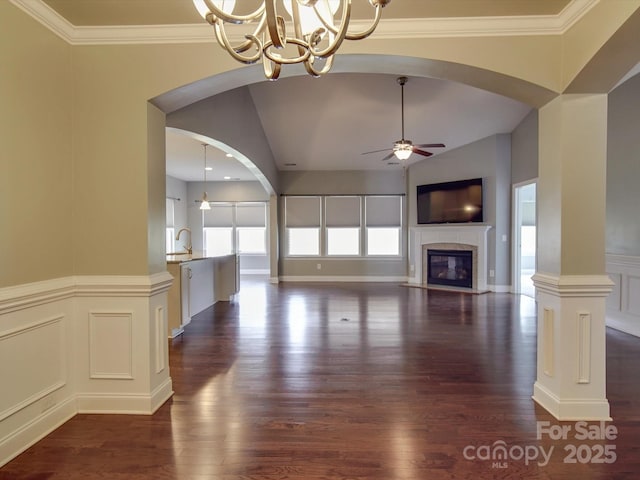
(189, 247)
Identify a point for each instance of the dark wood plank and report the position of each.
(353, 381)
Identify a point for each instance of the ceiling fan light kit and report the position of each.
(310, 34)
(402, 149)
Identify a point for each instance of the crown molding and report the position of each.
(387, 29)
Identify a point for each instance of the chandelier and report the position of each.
(307, 33)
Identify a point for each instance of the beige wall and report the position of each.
(524, 149)
(81, 115)
(36, 170)
(623, 170)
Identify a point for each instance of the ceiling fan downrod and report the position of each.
(402, 81)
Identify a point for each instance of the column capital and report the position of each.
(573, 285)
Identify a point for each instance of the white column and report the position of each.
(571, 281)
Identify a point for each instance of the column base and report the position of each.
(571, 409)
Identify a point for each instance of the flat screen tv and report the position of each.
(450, 202)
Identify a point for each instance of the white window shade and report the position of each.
(383, 211)
(302, 212)
(342, 211)
(220, 215)
(251, 215)
(170, 213)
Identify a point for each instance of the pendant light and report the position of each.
(204, 205)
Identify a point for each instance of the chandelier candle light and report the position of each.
(309, 34)
(204, 205)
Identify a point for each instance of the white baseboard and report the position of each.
(338, 279)
(255, 271)
(133, 404)
(39, 427)
(499, 288)
(570, 409)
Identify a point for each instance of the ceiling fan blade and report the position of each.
(431, 145)
(375, 151)
(391, 155)
(421, 152)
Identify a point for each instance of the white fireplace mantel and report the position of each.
(475, 234)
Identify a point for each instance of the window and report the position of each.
(252, 240)
(235, 227)
(170, 226)
(342, 220)
(251, 227)
(303, 241)
(383, 241)
(344, 225)
(343, 241)
(302, 223)
(218, 240)
(383, 220)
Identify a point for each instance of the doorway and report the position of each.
(524, 235)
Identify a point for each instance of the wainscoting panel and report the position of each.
(80, 344)
(623, 305)
(32, 363)
(161, 339)
(633, 288)
(110, 345)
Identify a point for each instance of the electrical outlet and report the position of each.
(504, 238)
(492, 273)
(319, 266)
(412, 268)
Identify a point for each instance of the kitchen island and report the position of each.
(198, 283)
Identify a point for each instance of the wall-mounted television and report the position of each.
(450, 202)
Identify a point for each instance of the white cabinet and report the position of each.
(198, 284)
(185, 293)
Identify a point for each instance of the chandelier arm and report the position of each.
(311, 69)
(229, 17)
(368, 31)
(275, 25)
(252, 40)
(221, 36)
(333, 46)
(271, 69)
(284, 60)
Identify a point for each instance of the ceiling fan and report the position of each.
(402, 149)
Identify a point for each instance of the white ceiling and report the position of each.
(327, 123)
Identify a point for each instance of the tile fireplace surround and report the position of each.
(450, 237)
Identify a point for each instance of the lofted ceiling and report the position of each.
(326, 123)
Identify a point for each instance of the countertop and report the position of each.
(190, 257)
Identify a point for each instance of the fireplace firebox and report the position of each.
(452, 268)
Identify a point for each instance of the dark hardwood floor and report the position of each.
(351, 381)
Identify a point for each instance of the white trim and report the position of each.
(35, 430)
(28, 295)
(341, 278)
(468, 234)
(516, 247)
(499, 288)
(387, 29)
(573, 285)
(570, 409)
(254, 271)
(48, 404)
(118, 403)
(37, 293)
